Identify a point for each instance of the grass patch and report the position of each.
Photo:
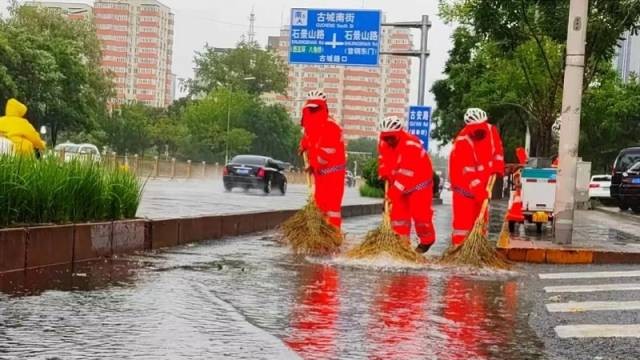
(49, 191)
(372, 192)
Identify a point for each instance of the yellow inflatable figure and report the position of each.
(18, 130)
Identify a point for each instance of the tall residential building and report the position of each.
(627, 61)
(73, 11)
(358, 96)
(137, 46)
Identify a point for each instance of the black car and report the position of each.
(623, 195)
(254, 172)
(630, 187)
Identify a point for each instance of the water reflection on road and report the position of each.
(249, 298)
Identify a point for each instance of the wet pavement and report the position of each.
(250, 298)
(181, 198)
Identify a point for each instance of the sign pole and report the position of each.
(422, 53)
(422, 83)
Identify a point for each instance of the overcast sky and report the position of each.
(221, 23)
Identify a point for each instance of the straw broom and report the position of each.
(308, 231)
(476, 251)
(383, 240)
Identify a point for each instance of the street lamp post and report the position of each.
(226, 145)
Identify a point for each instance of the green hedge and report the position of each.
(368, 191)
(50, 191)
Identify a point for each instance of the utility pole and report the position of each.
(570, 130)
(423, 53)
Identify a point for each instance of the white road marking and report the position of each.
(594, 306)
(591, 275)
(598, 331)
(591, 288)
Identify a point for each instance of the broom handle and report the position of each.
(387, 206)
(305, 157)
(485, 204)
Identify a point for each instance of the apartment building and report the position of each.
(358, 96)
(627, 60)
(73, 11)
(137, 46)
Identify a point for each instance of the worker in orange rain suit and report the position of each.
(515, 215)
(14, 127)
(477, 154)
(324, 145)
(406, 166)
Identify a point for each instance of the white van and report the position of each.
(78, 151)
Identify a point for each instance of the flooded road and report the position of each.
(249, 298)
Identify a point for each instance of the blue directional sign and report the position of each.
(335, 37)
(420, 123)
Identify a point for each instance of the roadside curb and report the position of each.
(563, 256)
(46, 246)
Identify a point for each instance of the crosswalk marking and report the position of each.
(594, 306)
(591, 288)
(577, 310)
(590, 275)
(600, 331)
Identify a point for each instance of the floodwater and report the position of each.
(249, 298)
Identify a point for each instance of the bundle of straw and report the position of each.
(383, 240)
(308, 231)
(476, 251)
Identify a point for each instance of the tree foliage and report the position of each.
(53, 66)
(216, 68)
(508, 57)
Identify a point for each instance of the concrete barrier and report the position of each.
(47, 246)
(92, 241)
(163, 233)
(128, 236)
(13, 247)
(200, 229)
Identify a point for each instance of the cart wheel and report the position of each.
(512, 227)
(539, 228)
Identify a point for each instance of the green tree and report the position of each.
(508, 57)
(610, 120)
(363, 145)
(217, 68)
(206, 126)
(128, 129)
(52, 64)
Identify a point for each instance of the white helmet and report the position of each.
(316, 95)
(475, 116)
(391, 123)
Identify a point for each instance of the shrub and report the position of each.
(368, 191)
(50, 191)
(370, 174)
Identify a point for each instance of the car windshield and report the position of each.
(249, 160)
(69, 148)
(635, 167)
(601, 178)
(627, 159)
